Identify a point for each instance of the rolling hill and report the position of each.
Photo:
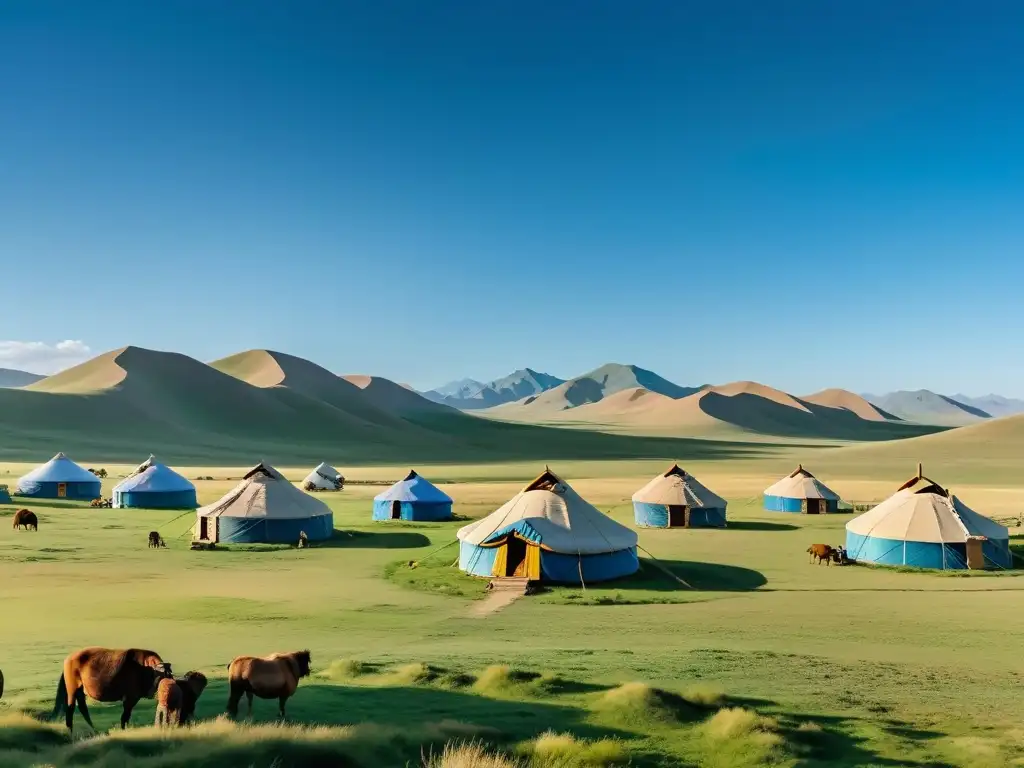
(925, 407)
(591, 387)
(130, 402)
(854, 403)
(10, 378)
(729, 410)
(470, 395)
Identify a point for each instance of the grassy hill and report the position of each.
(130, 402)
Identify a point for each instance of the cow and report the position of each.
(25, 518)
(105, 674)
(176, 699)
(822, 552)
(270, 677)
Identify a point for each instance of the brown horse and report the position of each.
(176, 699)
(104, 674)
(26, 518)
(270, 677)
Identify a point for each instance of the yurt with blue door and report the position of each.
(264, 508)
(60, 478)
(547, 532)
(923, 525)
(154, 486)
(674, 499)
(801, 492)
(414, 498)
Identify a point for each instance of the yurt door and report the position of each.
(814, 506)
(204, 528)
(975, 553)
(62, 490)
(676, 516)
(515, 557)
(396, 510)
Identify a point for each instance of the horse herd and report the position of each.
(109, 675)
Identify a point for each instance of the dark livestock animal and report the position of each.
(270, 677)
(105, 674)
(156, 540)
(176, 699)
(27, 519)
(823, 553)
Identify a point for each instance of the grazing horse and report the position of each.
(176, 699)
(26, 518)
(823, 553)
(156, 540)
(104, 674)
(270, 677)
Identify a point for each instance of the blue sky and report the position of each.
(808, 194)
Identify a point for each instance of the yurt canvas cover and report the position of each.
(324, 478)
(675, 499)
(924, 526)
(547, 532)
(155, 486)
(414, 498)
(264, 507)
(60, 478)
(800, 491)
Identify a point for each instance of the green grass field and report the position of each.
(767, 661)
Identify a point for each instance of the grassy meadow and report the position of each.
(766, 661)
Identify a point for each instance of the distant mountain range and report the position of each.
(926, 407)
(10, 378)
(470, 395)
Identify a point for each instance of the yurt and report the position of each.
(5, 495)
(547, 532)
(674, 499)
(801, 492)
(60, 478)
(414, 498)
(924, 526)
(266, 508)
(154, 486)
(323, 478)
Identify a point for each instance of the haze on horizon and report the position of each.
(826, 196)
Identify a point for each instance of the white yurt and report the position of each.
(323, 478)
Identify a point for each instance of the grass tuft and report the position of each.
(346, 669)
(563, 750)
(469, 754)
(705, 695)
(639, 704)
(416, 673)
(740, 738)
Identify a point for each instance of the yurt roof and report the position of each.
(326, 471)
(921, 510)
(675, 487)
(801, 484)
(265, 493)
(551, 513)
(152, 476)
(414, 488)
(60, 469)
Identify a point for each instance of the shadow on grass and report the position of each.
(711, 577)
(833, 741)
(759, 525)
(374, 540)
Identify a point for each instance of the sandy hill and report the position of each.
(10, 377)
(591, 387)
(854, 403)
(925, 407)
(742, 407)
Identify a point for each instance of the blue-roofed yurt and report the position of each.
(674, 499)
(60, 478)
(414, 498)
(154, 486)
(547, 532)
(264, 508)
(801, 492)
(923, 525)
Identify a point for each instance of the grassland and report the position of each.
(768, 661)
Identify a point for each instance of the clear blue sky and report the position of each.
(807, 193)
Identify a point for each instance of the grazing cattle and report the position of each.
(105, 674)
(26, 519)
(821, 552)
(176, 699)
(156, 540)
(270, 677)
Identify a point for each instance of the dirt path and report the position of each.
(493, 603)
